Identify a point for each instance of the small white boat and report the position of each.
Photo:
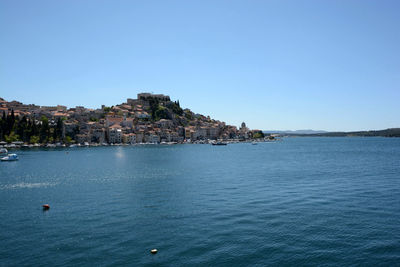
(10, 157)
(3, 151)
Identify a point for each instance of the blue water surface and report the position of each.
(298, 202)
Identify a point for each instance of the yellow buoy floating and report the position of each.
(153, 251)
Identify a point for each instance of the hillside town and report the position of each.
(150, 118)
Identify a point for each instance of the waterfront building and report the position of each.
(129, 138)
(115, 134)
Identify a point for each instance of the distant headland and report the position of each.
(150, 118)
(391, 132)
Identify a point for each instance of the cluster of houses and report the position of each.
(131, 122)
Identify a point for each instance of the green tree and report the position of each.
(53, 134)
(154, 105)
(44, 130)
(12, 137)
(258, 135)
(161, 113)
(175, 107)
(10, 121)
(189, 115)
(2, 125)
(34, 139)
(59, 129)
(22, 128)
(68, 139)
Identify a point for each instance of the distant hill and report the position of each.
(392, 132)
(295, 132)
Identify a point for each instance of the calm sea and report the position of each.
(298, 202)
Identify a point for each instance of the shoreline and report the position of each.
(200, 142)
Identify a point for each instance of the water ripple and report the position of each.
(26, 185)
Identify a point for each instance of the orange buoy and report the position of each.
(46, 206)
(153, 251)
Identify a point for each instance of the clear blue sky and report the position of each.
(331, 65)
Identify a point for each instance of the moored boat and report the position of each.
(10, 157)
(219, 144)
